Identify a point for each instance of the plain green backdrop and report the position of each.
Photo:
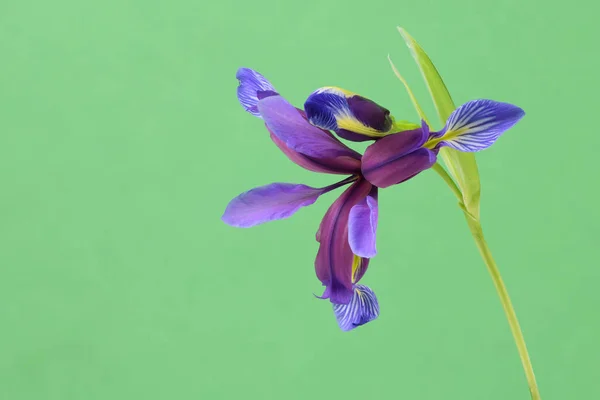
(121, 142)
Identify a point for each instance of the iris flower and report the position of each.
(401, 150)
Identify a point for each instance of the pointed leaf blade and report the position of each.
(462, 166)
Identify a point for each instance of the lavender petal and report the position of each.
(362, 308)
(252, 86)
(297, 133)
(362, 226)
(477, 124)
(271, 202)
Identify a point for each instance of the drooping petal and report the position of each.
(362, 308)
(252, 87)
(272, 202)
(362, 226)
(339, 165)
(334, 262)
(398, 157)
(291, 126)
(476, 125)
(351, 116)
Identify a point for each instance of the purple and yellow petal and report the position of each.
(362, 308)
(252, 87)
(359, 268)
(476, 125)
(335, 259)
(272, 202)
(351, 116)
(362, 226)
(398, 157)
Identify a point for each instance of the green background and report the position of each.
(121, 142)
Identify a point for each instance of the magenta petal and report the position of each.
(400, 169)
(394, 146)
(396, 158)
(362, 226)
(269, 203)
(298, 134)
(333, 264)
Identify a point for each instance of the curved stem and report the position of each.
(449, 181)
(484, 250)
(511, 316)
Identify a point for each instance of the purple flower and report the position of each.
(347, 232)
(474, 126)
(346, 235)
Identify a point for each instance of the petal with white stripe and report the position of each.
(351, 116)
(476, 125)
(361, 309)
(252, 87)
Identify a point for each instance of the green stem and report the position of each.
(484, 250)
(511, 316)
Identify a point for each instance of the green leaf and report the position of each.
(462, 166)
(410, 92)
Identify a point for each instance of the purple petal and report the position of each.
(362, 308)
(340, 165)
(323, 105)
(351, 116)
(400, 169)
(362, 226)
(271, 202)
(370, 113)
(334, 262)
(476, 125)
(352, 136)
(252, 87)
(298, 134)
(398, 157)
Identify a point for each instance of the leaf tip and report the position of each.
(404, 34)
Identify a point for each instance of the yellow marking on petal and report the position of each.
(347, 93)
(360, 295)
(356, 264)
(336, 90)
(352, 124)
(449, 135)
(348, 121)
